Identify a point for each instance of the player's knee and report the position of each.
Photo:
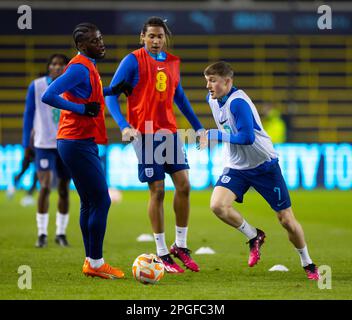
(158, 194)
(219, 208)
(101, 201)
(63, 193)
(45, 190)
(106, 201)
(184, 188)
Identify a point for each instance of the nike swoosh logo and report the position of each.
(160, 68)
(111, 276)
(281, 203)
(222, 122)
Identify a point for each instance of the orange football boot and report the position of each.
(105, 271)
(85, 266)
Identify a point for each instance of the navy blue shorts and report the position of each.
(49, 160)
(158, 155)
(267, 179)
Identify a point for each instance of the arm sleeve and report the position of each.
(74, 75)
(185, 107)
(127, 70)
(242, 113)
(28, 116)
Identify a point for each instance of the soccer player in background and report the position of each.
(250, 161)
(155, 77)
(81, 128)
(273, 123)
(42, 119)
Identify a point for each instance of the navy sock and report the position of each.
(97, 225)
(83, 220)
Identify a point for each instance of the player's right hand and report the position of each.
(202, 141)
(91, 109)
(129, 134)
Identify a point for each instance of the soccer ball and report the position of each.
(148, 268)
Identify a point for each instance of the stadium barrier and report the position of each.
(306, 166)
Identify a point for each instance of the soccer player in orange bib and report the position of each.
(81, 128)
(155, 77)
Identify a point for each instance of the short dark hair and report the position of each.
(64, 58)
(220, 68)
(157, 22)
(80, 32)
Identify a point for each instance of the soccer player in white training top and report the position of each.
(250, 161)
(43, 119)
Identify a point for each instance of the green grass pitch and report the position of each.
(326, 217)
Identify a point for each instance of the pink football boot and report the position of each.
(254, 247)
(312, 272)
(184, 255)
(170, 265)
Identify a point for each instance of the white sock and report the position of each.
(96, 263)
(61, 223)
(304, 255)
(161, 248)
(249, 231)
(42, 223)
(181, 237)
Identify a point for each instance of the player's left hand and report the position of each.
(122, 87)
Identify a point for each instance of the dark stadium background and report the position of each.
(279, 55)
